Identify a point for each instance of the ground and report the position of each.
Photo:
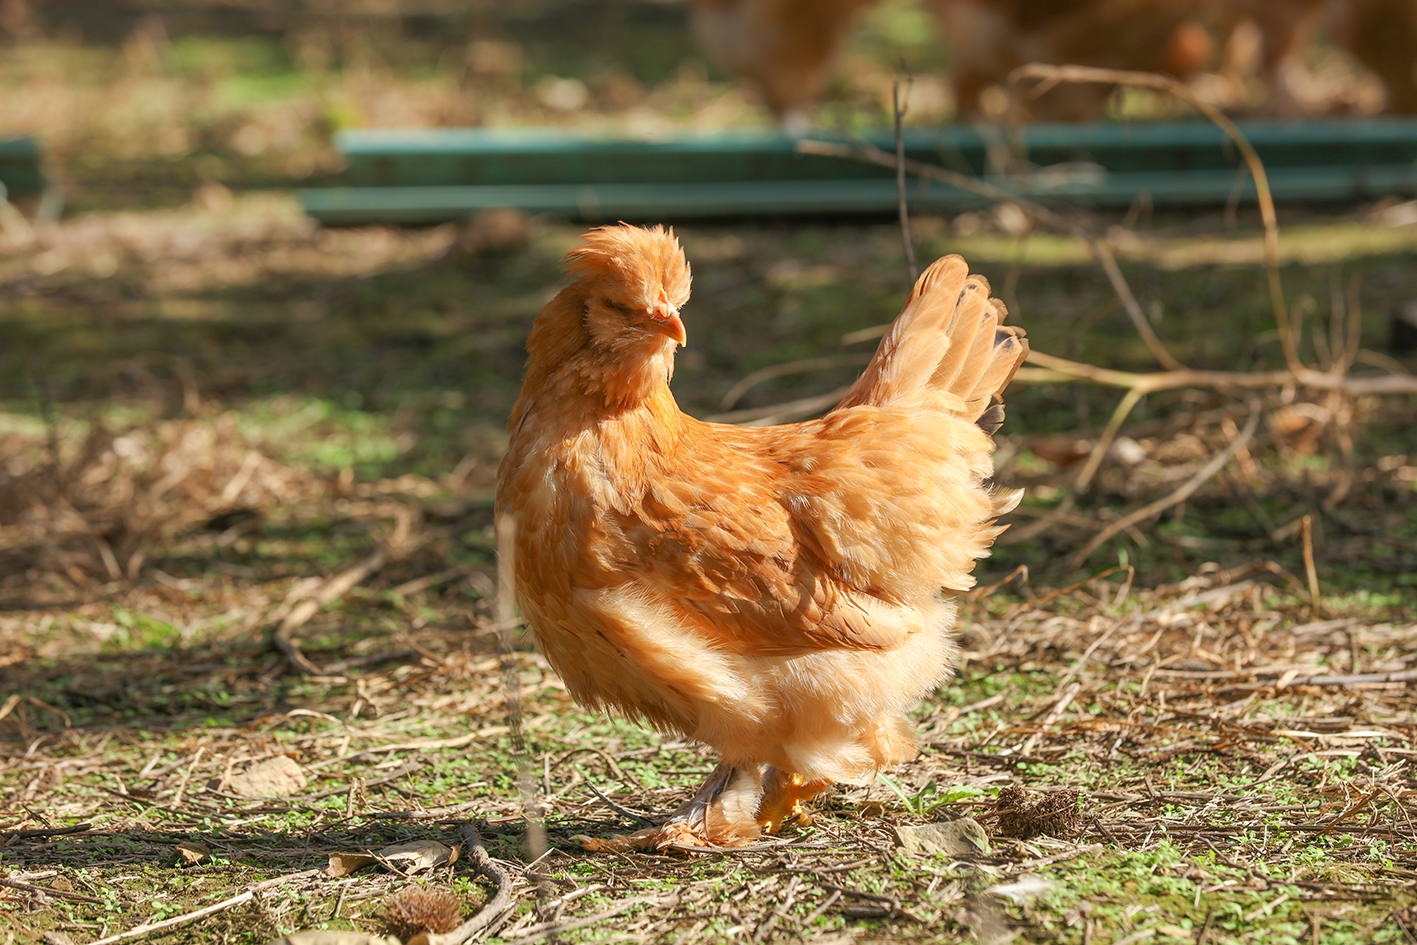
(245, 514)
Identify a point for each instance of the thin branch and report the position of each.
(827, 362)
(1353, 679)
(1061, 369)
(46, 890)
(141, 930)
(494, 907)
(1104, 256)
(623, 812)
(898, 107)
(781, 413)
(1050, 75)
(1180, 495)
(307, 607)
(1310, 571)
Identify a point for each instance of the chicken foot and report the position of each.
(722, 813)
(783, 795)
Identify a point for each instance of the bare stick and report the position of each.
(899, 107)
(1059, 369)
(505, 604)
(331, 591)
(141, 930)
(46, 890)
(494, 907)
(1051, 75)
(791, 367)
(10, 836)
(1180, 495)
(616, 807)
(781, 413)
(1068, 692)
(1310, 571)
(1103, 255)
(1353, 679)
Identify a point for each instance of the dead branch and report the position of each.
(1103, 254)
(46, 890)
(138, 931)
(912, 271)
(492, 909)
(11, 836)
(1054, 369)
(772, 371)
(1352, 679)
(307, 607)
(1050, 75)
(1178, 496)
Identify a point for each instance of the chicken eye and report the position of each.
(620, 307)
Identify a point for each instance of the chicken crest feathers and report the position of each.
(638, 258)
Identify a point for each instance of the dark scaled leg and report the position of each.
(723, 813)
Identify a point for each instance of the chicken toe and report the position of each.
(783, 795)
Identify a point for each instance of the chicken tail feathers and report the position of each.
(948, 346)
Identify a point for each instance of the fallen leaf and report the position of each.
(190, 853)
(342, 864)
(418, 855)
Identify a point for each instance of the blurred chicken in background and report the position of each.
(786, 48)
(1267, 40)
(991, 38)
(1263, 40)
(1382, 35)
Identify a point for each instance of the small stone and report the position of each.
(274, 777)
(963, 837)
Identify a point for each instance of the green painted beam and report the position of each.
(433, 175)
(19, 166)
(728, 199)
(441, 157)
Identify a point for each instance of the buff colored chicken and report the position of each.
(784, 47)
(991, 38)
(781, 594)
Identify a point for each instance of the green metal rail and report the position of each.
(430, 176)
(19, 167)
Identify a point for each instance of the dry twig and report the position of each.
(492, 910)
(308, 606)
(1178, 496)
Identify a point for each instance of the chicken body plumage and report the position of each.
(773, 592)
